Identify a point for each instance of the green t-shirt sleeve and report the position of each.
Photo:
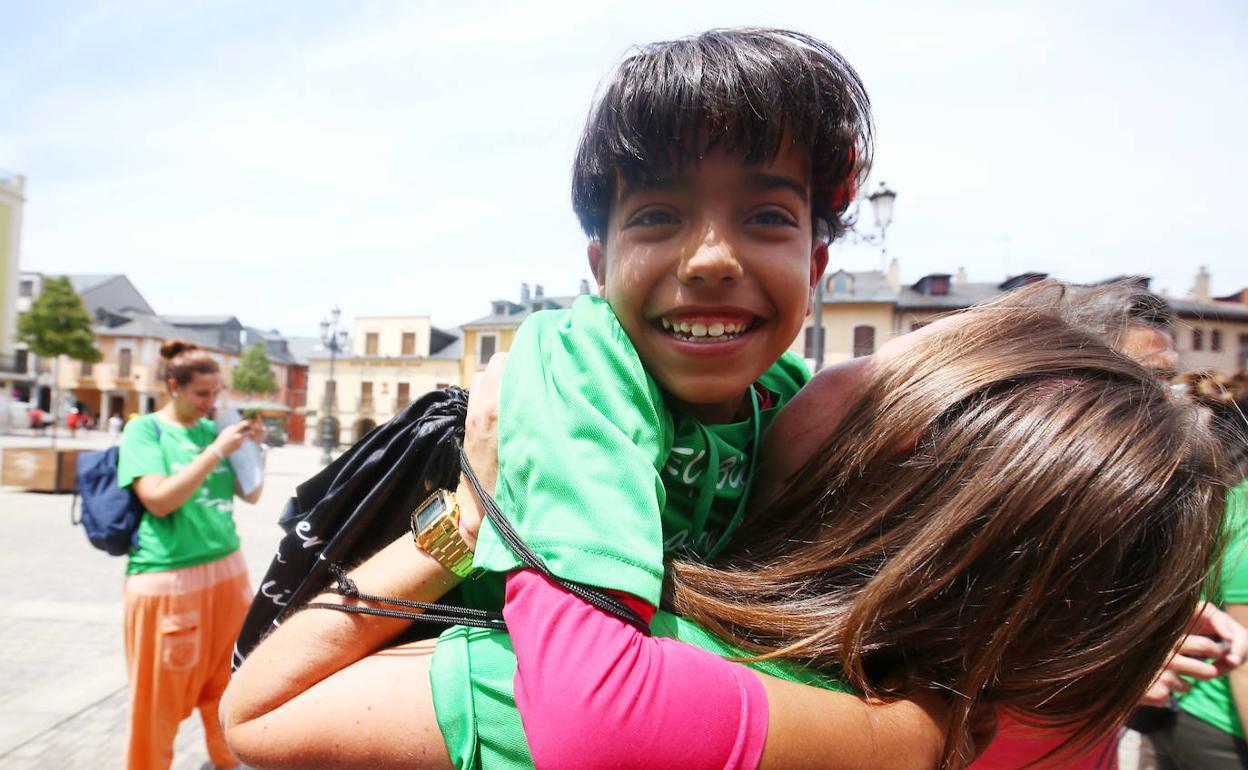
(582, 435)
(140, 453)
(1235, 563)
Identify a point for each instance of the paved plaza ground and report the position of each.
(63, 692)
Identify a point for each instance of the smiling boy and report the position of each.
(711, 174)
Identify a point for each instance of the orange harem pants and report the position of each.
(180, 631)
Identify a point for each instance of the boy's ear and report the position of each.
(818, 264)
(597, 264)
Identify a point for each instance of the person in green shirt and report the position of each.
(1207, 732)
(187, 588)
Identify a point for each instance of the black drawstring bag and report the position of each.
(362, 501)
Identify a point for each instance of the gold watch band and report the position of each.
(441, 538)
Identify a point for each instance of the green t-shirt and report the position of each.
(605, 482)
(1212, 701)
(596, 472)
(202, 529)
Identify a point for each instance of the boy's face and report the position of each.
(711, 272)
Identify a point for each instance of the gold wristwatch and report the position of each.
(435, 528)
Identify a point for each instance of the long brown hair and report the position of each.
(1014, 514)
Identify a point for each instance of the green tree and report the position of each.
(254, 373)
(58, 325)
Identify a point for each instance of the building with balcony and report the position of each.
(388, 362)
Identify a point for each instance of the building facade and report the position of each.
(388, 362)
(863, 310)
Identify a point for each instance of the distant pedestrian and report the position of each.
(114, 426)
(73, 420)
(186, 582)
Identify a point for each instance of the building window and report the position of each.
(21, 360)
(842, 283)
(486, 346)
(87, 368)
(123, 363)
(811, 351)
(864, 341)
(408, 346)
(1198, 339)
(370, 344)
(1243, 351)
(366, 395)
(1215, 340)
(442, 386)
(26, 289)
(403, 395)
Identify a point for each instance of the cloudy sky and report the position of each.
(274, 159)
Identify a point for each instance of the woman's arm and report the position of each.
(162, 495)
(320, 689)
(594, 692)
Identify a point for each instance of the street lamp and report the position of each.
(334, 339)
(882, 211)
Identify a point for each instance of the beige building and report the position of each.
(863, 310)
(493, 333)
(389, 361)
(13, 367)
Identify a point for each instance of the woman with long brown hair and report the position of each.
(187, 589)
(1001, 510)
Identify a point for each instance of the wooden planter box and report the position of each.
(41, 469)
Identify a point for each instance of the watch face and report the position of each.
(431, 510)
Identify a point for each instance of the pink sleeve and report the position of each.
(594, 692)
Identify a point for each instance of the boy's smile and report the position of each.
(710, 272)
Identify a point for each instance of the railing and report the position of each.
(8, 363)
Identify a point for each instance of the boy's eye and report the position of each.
(652, 217)
(773, 217)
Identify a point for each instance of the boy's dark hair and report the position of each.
(750, 90)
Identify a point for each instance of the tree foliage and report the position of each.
(254, 373)
(57, 324)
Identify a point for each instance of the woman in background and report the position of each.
(186, 589)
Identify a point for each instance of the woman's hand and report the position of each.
(230, 439)
(480, 444)
(1214, 645)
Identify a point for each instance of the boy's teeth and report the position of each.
(715, 329)
(698, 330)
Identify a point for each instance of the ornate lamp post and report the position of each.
(882, 211)
(334, 339)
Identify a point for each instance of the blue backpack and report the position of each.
(110, 514)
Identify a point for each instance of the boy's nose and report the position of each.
(710, 260)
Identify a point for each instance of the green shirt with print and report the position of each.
(1213, 701)
(201, 529)
(604, 481)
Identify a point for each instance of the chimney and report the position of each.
(524, 294)
(538, 292)
(1200, 290)
(894, 275)
(960, 278)
(584, 287)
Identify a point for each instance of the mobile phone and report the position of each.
(250, 414)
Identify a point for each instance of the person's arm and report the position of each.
(320, 688)
(1215, 644)
(593, 691)
(161, 495)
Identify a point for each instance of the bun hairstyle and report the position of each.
(183, 360)
(1040, 547)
